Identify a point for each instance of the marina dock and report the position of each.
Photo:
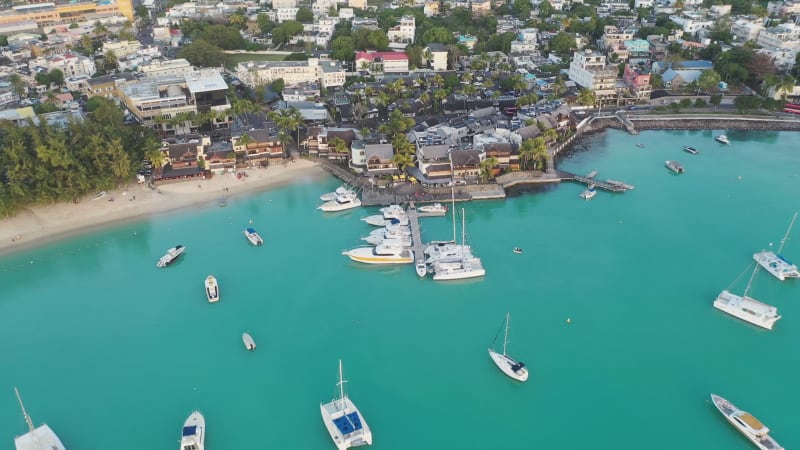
(608, 185)
(416, 234)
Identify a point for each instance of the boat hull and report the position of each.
(422, 268)
(212, 289)
(776, 266)
(249, 342)
(504, 363)
(366, 255)
(196, 425)
(331, 411)
(41, 437)
(747, 309)
(729, 411)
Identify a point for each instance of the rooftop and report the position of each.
(205, 80)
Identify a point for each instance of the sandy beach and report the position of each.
(40, 225)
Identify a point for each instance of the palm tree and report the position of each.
(439, 95)
(526, 151)
(402, 161)
(550, 134)
(244, 140)
(486, 168)
(559, 87)
(587, 98)
(785, 85)
(18, 85)
(539, 153)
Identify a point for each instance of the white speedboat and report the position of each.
(396, 227)
(171, 256)
(434, 209)
(344, 421)
(393, 212)
(511, 367)
(212, 289)
(674, 166)
(383, 253)
(341, 203)
(421, 267)
(249, 342)
(722, 139)
(746, 308)
(379, 220)
(775, 263)
(37, 438)
(341, 190)
(691, 150)
(746, 423)
(589, 192)
(376, 239)
(252, 235)
(193, 435)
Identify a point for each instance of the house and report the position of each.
(506, 153)
(379, 159)
(438, 60)
(466, 164)
(263, 146)
(220, 157)
(678, 78)
(381, 62)
(326, 135)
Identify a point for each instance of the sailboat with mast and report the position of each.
(37, 438)
(344, 421)
(461, 266)
(511, 367)
(775, 263)
(446, 250)
(747, 308)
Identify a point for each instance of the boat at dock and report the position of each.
(341, 190)
(746, 423)
(383, 253)
(459, 268)
(434, 209)
(421, 267)
(171, 256)
(253, 237)
(722, 139)
(341, 202)
(747, 308)
(393, 212)
(621, 184)
(37, 438)
(376, 239)
(775, 263)
(212, 289)
(674, 166)
(249, 342)
(508, 365)
(378, 220)
(193, 435)
(589, 192)
(691, 150)
(344, 421)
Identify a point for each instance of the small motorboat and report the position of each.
(249, 342)
(691, 150)
(422, 269)
(674, 166)
(517, 250)
(589, 193)
(640, 145)
(722, 139)
(171, 256)
(212, 289)
(222, 203)
(253, 237)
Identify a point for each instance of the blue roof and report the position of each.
(348, 423)
(702, 64)
(189, 431)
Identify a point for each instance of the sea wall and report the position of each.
(698, 122)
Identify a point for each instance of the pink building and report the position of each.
(382, 62)
(638, 80)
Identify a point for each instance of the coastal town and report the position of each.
(114, 109)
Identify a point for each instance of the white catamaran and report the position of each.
(780, 267)
(747, 308)
(344, 421)
(37, 438)
(511, 367)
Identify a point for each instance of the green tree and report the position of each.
(546, 9)
(587, 97)
(342, 48)
(715, 100)
(563, 44)
(304, 15)
(439, 35)
(264, 23)
(202, 54)
(486, 168)
(708, 81)
(747, 103)
(277, 85)
(18, 85)
(110, 60)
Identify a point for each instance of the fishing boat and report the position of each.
(434, 209)
(775, 263)
(674, 166)
(344, 421)
(193, 435)
(508, 365)
(422, 268)
(37, 438)
(747, 308)
(171, 256)
(691, 150)
(621, 184)
(376, 239)
(746, 423)
(393, 212)
(212, 289)
(589, 192)
(459, 268)
(249, 342)
(722, 139)
(253, 237)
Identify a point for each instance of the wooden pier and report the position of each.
(416, 234)
(615, 186)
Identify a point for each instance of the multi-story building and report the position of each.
(175, 67)
(278, 4)
(691, 22)
(358, 4)
(431, 8)
(481, 7)
(71, 65)
(786, 35)
(638, 81)
(328, 73)
(365, 22)
(108, 86)
(590, 71)
(638, 51)
(321, 7)
(156, 101)
(121, 49)
(404, 31)
(783, 8)
(64, 11)
(382, 62)
(438, 54)
(613, 37)
(285, 14)
(746, 30)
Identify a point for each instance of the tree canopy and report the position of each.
(202, 54)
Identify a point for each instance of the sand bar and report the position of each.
(40, 225)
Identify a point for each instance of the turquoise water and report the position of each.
(106, 348)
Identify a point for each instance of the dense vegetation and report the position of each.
(41, 164)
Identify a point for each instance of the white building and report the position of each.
(279, 4)
(321, 7)
(121, 49)
(328, 73)
(71, 65)
(168, 67)
(431, 8)
(643, 4)
(285, 14)
(786, 35)
(438, 59)
(590, 71)
(346, 13)
(404, 31)
(691, 22)
(746, 30)
(382, 62)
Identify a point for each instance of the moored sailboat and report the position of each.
(775, 263)
(37, 438)
(747, 308)
(344, 421)
(508, 365)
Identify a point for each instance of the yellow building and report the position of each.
(55, 13)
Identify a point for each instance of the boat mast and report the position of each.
(750, 281)
(505, 339)
(786, 236)
(341, 386)
(24, 413)
(453, 192)
(463, 234)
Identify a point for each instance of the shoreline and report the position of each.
(41, 225)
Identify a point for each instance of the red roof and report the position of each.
(386, 56)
